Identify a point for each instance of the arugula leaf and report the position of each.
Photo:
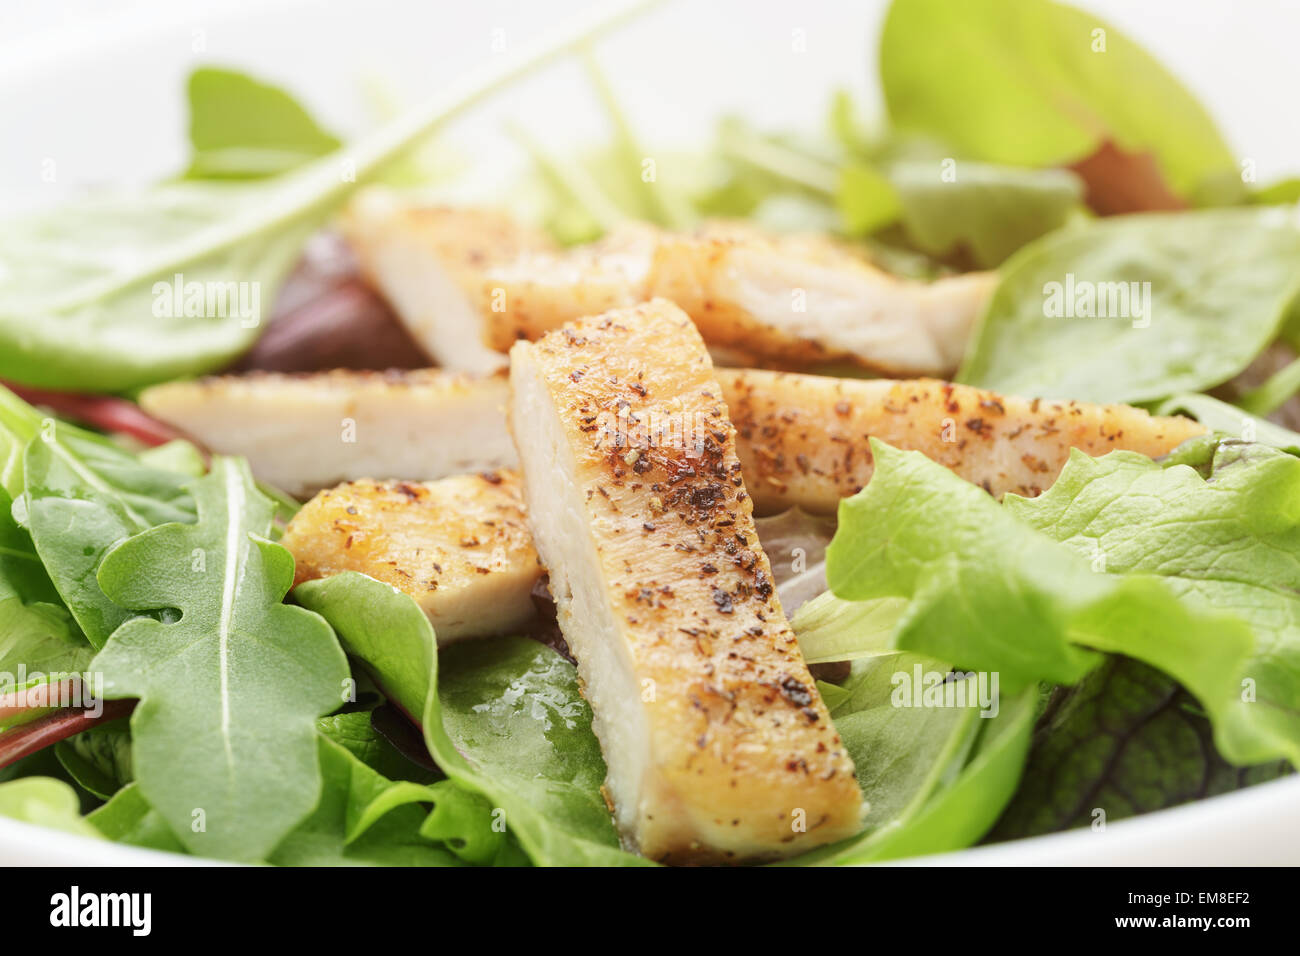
(36, 630)
(361, 819)
(657, 201)
(83, 495)
(45, 802)
(501, 717)
(86, 302)
(1125, 740)
(989, 592)
(241, 128)
(1036, 83)
(1136, 308)
(230, 691)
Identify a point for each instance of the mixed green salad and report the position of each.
(163, 685)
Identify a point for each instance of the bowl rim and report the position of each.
(1240, 827)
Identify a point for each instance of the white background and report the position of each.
(97, 85)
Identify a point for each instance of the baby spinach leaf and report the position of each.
(45, 802)
(1038, 83)
(127, 818)
(1137, 308)
(935, 778)
(982, 210)
(501, 717)
(241, 128)
(990, 591)
(355, 732)
(1230, 420)
(1127, 739)
(230, 691)
(123, 290)
(974, 212)
(87, 301)
(515, 730)
(83, 495)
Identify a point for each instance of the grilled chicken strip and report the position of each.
(428, 262)
(803, 438)
(775, 299)
(459, 546)
(718, 747)
(802, 299)
(307, 432)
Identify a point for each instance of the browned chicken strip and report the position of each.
(459, 546)
(306, 432)
(718, 747)
(428, 263)
(803, 438)
(465, 283)
(803, 300)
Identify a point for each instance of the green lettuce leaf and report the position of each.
(223, 741)
(1174, 307)
(1226, 540)
(502, 718)
(127, 818)
(990, 592)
